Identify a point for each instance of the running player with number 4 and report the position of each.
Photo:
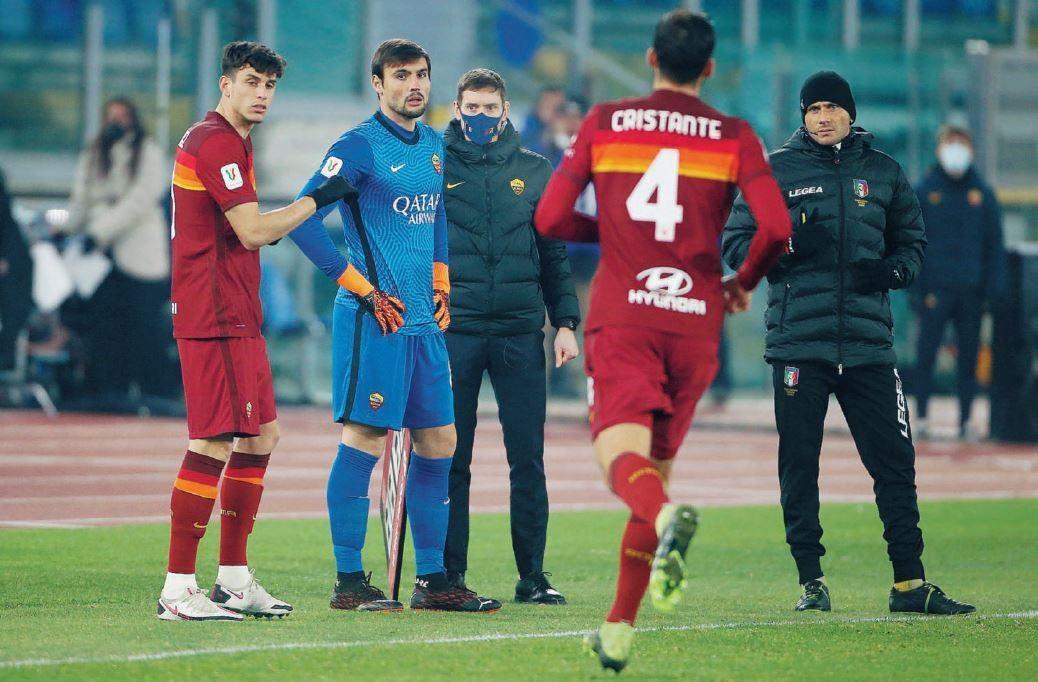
(665, 168)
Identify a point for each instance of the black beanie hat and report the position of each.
(827, 86)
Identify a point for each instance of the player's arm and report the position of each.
(441, 273)
(763, 198)
(349, 160)
(222, 169)
(255, 229)
(555, 215)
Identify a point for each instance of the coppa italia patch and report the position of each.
(231, 175)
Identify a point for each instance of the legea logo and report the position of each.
(666, 280)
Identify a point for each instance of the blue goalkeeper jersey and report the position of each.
(401, 226)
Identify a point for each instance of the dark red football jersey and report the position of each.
(665, 169)
(215, 278)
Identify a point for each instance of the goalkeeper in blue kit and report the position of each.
(389, 361)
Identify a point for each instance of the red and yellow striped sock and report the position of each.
(194, 493)
(636, 552)
(239, 500)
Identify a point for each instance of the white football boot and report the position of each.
(250, 600)
(193, 604)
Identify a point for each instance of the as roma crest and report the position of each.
(376, 400)
(517, 186)
(436, 164)
(975, 197)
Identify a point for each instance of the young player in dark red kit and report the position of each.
(665, 168)
(217, 232)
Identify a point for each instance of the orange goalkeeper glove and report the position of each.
(441, 295)
(388, 310)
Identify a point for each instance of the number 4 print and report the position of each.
(660, 177)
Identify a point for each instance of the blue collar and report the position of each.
(401, 133)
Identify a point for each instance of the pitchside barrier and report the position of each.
(392, 508)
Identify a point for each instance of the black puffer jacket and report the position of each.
(862, 199)
(503, 273)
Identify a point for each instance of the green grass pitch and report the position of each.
(78, 604)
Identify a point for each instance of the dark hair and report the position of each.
(684, 42)
(396, 51)
(240, 53)
(102, 145)
(481, 79)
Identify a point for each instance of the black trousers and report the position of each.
(963, 310)
(15, 309)
(874, 404)
(128, 335)
(516, 367)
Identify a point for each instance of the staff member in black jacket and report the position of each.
(857, 233)
(964, 270)
(503, 275)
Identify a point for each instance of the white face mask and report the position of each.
(955, 158)
(562, 140)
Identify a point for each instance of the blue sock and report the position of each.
(428, 510)
(348, 505)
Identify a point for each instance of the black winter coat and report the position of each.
(502, 272)
(862, 199)
(964, 250)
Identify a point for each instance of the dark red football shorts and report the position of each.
(228, 387)
(648, 377)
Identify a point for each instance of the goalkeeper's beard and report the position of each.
(404, 111)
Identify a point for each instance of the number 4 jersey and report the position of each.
(665, 170)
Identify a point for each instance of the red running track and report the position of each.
(85, 470)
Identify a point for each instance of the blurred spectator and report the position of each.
(537, 130)
(963, 269)
(120, 180)
(564, 128)
(15, 281)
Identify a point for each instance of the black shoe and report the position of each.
(534, 588)
(456, 579)
(815, 597)
(354, 592)
(433, 592)
(927, 598)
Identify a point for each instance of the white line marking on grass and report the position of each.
(304, 646)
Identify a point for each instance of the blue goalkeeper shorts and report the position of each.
(388, 381)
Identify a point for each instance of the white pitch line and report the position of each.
(303, 646)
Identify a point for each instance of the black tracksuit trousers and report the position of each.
(516, 367)
(964, 310)
(873, 403)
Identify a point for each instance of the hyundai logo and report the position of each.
(666, 280)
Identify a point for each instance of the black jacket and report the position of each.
(964, 250)
(502, 272)
(865, 209)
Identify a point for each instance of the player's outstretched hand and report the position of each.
(736, 299)
(331, 190)
(388, 310)
(442, 311)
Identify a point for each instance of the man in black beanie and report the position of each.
(857, 233)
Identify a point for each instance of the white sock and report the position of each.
(176, 583)
(233, 576)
